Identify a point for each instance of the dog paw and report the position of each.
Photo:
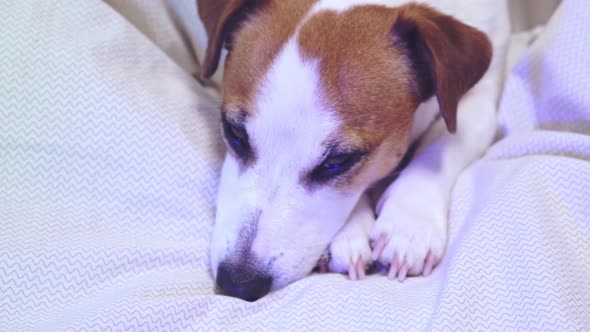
(409, 236)
(350, 251)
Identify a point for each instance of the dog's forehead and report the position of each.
(256, 45)
(291, 114)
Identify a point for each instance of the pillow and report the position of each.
(174, 26)
(109, 157)
(549, 88)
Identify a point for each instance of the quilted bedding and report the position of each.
(109, 155)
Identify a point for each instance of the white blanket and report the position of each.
(109, 155)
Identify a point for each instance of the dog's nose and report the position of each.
(243, 283)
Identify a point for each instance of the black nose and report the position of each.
(242, 282)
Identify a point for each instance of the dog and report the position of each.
(321, 100)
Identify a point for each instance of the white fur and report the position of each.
(288, 131)
(289, 128)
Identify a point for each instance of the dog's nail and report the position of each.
(392, 273)
(428, 264)
(360, 268)
(379, 246)
(352, 271)
(403, 272)
(393, 268)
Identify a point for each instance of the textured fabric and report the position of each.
(172, 25)
(109, 155)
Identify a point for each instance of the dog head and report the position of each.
(318, 104)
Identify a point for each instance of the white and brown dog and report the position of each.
(322, 99)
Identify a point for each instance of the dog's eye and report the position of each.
(335, 165)
(237, 138)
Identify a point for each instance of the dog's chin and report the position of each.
(305, 269)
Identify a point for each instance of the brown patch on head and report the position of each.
(377, 64)
(362, 80)
(366, 79)
(255, 44)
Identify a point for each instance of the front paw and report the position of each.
(410, 234)
(350, 251)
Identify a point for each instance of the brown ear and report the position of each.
(220, 18)
(448, 57)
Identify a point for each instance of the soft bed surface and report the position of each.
(109, 155)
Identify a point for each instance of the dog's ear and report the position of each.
(220, 18)
(448, 57)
